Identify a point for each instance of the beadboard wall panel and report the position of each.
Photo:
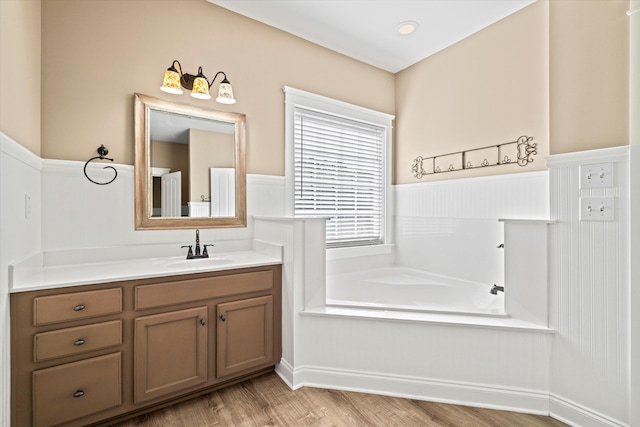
(20, 172)
(514, 196)
(590, 295)
(451, 228)
(80, 214)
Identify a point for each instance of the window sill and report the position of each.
(358, 251)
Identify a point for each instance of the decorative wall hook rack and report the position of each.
(102, 151)
(493, 155)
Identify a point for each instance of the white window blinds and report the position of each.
(339, 174)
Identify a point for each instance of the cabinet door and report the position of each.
(244, 335)
(170, 352)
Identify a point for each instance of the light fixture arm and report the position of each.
(224, 78)
(186, 79)
(179, 69)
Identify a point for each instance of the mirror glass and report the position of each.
(189, 166)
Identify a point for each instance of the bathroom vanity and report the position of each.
(95, 353)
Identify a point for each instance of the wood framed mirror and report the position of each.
(189, 166)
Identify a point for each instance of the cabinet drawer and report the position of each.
(65, 342)
(163, 294)
(78, 305)
(74, 390)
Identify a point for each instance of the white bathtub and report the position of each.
(402, 288)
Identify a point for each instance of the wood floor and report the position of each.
(267, 401)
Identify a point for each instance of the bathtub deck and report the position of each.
(425, 317)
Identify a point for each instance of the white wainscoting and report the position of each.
(80, 214)
(451, 227)
(303, 277)
(20, 231)
(581, 374)
(590, 295)
(515, 196)
(472, 364)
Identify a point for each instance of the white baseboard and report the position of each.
(577, 415)
(458, 393)
(285, 371)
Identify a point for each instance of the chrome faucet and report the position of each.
(197, 254)
(494, 290)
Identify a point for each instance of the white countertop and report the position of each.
(29, 278)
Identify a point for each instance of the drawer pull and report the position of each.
(203, 321)
(223, 318)
(78, 307)
(78, 393)
(79, 342)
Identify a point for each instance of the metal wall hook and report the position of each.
(102, 151)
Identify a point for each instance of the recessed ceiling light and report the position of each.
(407, 27)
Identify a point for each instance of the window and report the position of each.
(339, 162)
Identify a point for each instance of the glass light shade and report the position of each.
(171, 82)
(225, 94)
(200, 88)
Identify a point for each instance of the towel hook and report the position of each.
(102, 151)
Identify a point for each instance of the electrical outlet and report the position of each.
(599, 175)
(596, 209)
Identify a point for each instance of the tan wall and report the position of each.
(589, 74)
(487, 89)
(20, 71)
(102, 51)
(207, 150)
(462, 97)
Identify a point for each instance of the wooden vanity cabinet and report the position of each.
(95, 354)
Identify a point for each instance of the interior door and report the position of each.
(171, 194)
(223, 192)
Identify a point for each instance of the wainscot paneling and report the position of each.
(20, 214)
(451, 227)
(589, 295)
(80, 214)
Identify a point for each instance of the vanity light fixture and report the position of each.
(175, 80)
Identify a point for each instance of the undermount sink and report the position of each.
(200, 263)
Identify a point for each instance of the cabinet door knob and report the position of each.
(78, 393)
(223, 317)
(203, 321)
(78, 307)
(79, 342)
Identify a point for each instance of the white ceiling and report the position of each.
(172, 127)
(367, 29)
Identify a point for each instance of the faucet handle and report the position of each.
(204, 251)
(190, 252)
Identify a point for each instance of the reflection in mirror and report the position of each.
(190, 166)
(194, 156)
